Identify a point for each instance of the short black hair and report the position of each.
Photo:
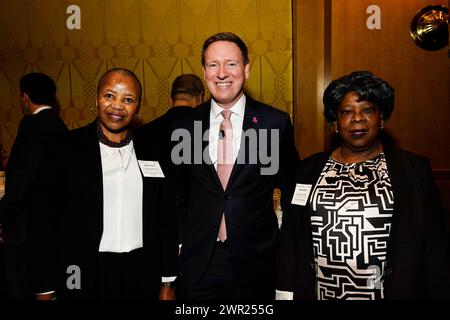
(187, 83)
(125, 72)
(368, 87)
(226, 36)
(40, 88)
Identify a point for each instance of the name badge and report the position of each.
(151, 169)
(301, 194)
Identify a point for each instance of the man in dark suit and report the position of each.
(28, 206)
(241, 150)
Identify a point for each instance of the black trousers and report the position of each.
(218, 283)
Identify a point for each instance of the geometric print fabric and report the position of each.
(352, 211)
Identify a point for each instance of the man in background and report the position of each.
(27, 210)
(187, 90)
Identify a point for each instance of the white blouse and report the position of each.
(122, 200)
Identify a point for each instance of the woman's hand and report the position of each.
(167, 293)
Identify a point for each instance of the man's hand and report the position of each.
(45, 296)
(166, 293)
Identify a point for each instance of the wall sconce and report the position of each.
(429, 27)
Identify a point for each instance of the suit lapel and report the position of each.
(203, 115)
(94, 165)
(402, 191)
(149, 191)
(252, 120)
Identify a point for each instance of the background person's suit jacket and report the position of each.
(29, 207)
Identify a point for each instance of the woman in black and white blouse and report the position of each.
(365, 220)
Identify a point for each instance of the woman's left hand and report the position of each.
(166, 293)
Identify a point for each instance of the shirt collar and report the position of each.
(40, 109)
(110, 150)
(238, 108)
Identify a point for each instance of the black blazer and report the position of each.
(81, 226)
(159, 132)
(31, 168)
(28, 208)
(247, 202)
(417, 250)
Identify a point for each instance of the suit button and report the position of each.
(227, 197)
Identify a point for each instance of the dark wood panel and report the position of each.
(331, 39)
(309, 74)
(420, 78)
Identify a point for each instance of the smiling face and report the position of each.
(117, 104)
(359, 124)
(225, 72)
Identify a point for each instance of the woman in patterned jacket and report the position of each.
(365, 220)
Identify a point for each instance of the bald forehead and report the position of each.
(109, 74)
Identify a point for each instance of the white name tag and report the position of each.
(301, 194)
(151, 169)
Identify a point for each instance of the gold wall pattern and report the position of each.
(158, 39)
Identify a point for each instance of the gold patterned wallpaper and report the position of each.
(76, 41)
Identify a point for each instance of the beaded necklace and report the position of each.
(103, 139)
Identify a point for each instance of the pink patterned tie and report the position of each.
(224, 160)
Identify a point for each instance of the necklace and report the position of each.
(103, 139)
(338, 156)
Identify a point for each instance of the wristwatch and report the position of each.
(169, 284)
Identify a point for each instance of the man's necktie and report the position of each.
(224, 160)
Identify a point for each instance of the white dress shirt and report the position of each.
(122, 200)
(215, 119)
(40, 109)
